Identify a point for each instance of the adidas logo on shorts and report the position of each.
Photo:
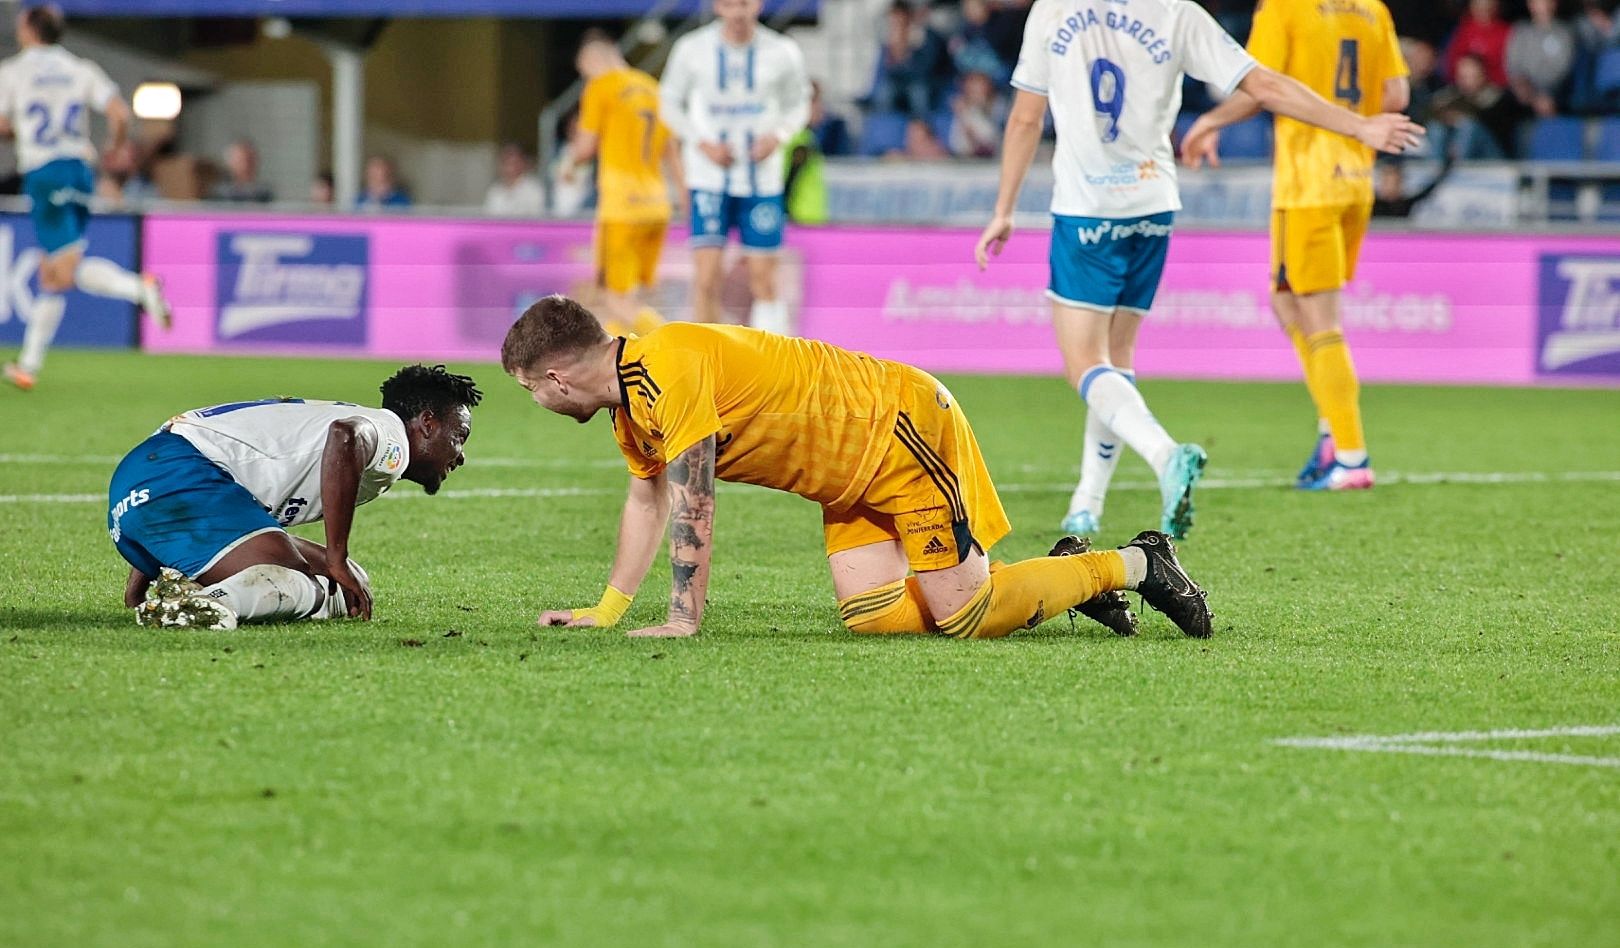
(934, 546)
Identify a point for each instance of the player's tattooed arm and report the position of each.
(691, 536)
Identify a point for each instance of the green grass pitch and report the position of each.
(450, 774)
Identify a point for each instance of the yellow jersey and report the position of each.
(1344, 50)
(791, 414)
(621, 109)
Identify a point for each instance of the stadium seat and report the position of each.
(1557, 139)
(1249, 139)
(941, 122)
(1563, 200)
(883, 132)
(1606, 74)
(1608, 143)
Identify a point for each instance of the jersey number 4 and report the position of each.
(1347, 75)
(47, 133)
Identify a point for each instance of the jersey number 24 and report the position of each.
(47, 133)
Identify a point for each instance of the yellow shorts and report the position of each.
(627, 254)
(1315, 249)
(932, 491)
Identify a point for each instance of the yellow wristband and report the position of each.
(610, 610)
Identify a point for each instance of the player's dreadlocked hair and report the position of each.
(418, 388)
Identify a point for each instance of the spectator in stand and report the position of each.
(382, 190)
(1421, 59)
(970, 46)
(323, 190)
(921, 144)
(1426, 20)
(515, 192)
(907, 64)
(242, 183)
(1540, 55)
(1389, 190)
(121, 182)
(977, 117)
(1005, 28)
(806, 182)
(831, 131)
(1598, 28)
(1483, 34)
(1476, 119)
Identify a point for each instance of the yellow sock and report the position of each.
(897, 608)
(1302, 348)
(1024, 595)
(1337, 390)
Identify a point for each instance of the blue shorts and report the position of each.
(757, 220)
(1107, 263)
(170, 506)
(61, 192)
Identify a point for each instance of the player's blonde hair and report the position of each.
(553, 328)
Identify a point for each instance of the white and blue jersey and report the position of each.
(1111, 71)
(46, 93)
(213, 477)
(713, 91)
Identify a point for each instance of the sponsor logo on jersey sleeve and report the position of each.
(393, 457)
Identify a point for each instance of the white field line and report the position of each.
(1447, 744)
(1210, 483)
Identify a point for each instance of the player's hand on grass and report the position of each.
(1201, 143)
(764, 146)
(717, 153)
(1390, 132)
(355, 595)
(572, 618)
(668, 630)
(995, 236)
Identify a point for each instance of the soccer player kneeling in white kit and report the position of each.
(200, 510)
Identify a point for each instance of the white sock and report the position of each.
(101, 277)
(1118, 404)
(266, 593)
(1097, 464)
(1351, 458)
(1135, 566)
(43, 319)
(769, 315)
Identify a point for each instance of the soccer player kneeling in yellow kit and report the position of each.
(882, 447)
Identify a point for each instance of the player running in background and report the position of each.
(619, 126)
(1322, 197)
(46, 93)
(882, 447)
(735, 93)
(205, 503)
(1113, 76)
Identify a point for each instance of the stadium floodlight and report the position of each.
(157, 100)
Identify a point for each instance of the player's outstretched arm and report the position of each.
(641, 527)
(350, 445)
(691, 536)
(1202, 141)
(1387, 132)
(118, 116)
(1018, 143)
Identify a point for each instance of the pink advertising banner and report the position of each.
(1423, 308)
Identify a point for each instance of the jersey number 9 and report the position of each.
(1108, 95)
